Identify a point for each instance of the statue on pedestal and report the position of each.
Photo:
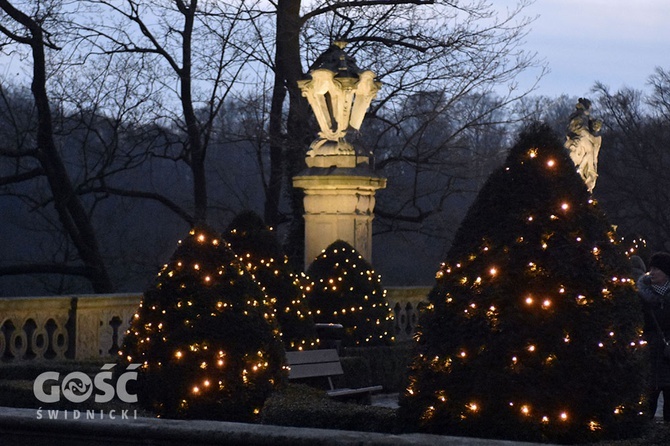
(583, 141)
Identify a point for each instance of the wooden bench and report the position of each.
(323, 363)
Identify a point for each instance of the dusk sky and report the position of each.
(617, 42)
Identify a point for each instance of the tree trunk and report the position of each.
(288, 153)
(71, 212)
(197, 149)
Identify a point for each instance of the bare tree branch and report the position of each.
(16, 270)
(21, 177)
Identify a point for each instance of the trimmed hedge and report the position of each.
(357, 372)
(302, 406)
(209, 346)
(17, 380)
(369, 366)
(387, 365)
(344, 289)
(30, 370)
(18, 393)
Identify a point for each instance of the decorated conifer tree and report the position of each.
(344, 289)
(208, 346)
(258, 248)
(533, 328)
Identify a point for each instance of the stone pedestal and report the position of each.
(339, 203)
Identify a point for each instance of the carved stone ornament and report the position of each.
(339, 94)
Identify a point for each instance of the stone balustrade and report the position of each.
(64, 327)
(35, 328)
(92, 326)
(406, 302)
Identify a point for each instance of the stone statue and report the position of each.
(583, 141)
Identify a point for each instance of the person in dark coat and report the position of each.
(654, 291)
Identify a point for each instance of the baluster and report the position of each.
(18, 342)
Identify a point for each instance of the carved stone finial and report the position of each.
(339, 93)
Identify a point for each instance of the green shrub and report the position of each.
(18, 378)
(25, 370)
(345, 290)
(208, 345)
(387, 364)
(533, 330)
(303, 406)
(356, 371)
(18, 393)
(259, 250)
(16, 386)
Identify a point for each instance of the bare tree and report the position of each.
(152, 82)
(633, 184)
(415, 46)
(29, 27)
(191, 54)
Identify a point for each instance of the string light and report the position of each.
(544, 269)
(189, 295)
(362, 309)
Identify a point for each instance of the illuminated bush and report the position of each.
(533, 328)
(258, 248)
(344, 289)
(209, 347)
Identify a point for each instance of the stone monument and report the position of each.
(339, 184)
(583, 141)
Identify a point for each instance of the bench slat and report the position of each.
(346, 391)
(319, 363)
(298, 371)
(313, 363)
(311, 356)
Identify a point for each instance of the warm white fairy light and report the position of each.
(550, 299)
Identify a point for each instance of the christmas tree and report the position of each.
(533, 329)
(208, 346)
(258, 248)
(345, 290)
